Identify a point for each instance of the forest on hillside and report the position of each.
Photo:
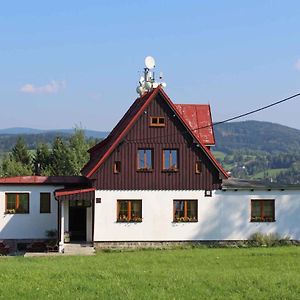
(259, 150)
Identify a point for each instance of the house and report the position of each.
(153, 180)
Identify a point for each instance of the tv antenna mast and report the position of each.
(147, 82)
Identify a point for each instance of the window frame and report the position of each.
(198, 167)
(139, 169)
(158, 123)
(262, 218)
(129, 212)
(117, 167)
(185, 218)
(49, 210)
(170, 160)
(17, 201)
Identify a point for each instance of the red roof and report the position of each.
(198, 118)
(65, 192)
(101, 151)
(47, 180)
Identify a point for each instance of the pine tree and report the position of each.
(42, 160)
(11, 167)
(60, 158)
(20, 152)
(78, 151)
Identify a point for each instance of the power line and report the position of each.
(226, 120)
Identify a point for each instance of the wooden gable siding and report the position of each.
(173, 136)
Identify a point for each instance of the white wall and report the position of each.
(32, 225)
(225, 216)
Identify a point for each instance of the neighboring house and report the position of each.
(153, 179)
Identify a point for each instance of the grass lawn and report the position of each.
(200, 273)
(268, 172)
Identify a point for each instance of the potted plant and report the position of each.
(67, 237)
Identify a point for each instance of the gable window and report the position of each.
(170, 159)
(262, 211)
(17, 203)
(117, 167)
(198, 167)
(145, 160)
(129, 210)
(45, 203)
(185, 211)
(157, 121)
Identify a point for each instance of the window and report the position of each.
(144, 160)
(198, 168)
(185, 211)
(170, 160)
(17, 203)
(208, 193)
(129, 211)
(117, 167)
(157, 121)
(45, 203)
(262, 211)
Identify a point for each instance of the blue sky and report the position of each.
(67, 63)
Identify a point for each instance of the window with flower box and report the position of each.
(129, 210)
(185, 211)
(170, 160)
(262, 210)
(145, 160)
(17, 203)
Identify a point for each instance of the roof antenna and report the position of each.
(147, 82)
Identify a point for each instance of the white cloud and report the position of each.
(50, 88)
(297, 65)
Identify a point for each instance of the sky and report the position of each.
(77, 63)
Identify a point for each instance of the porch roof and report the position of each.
(78, 193)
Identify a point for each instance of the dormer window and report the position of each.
(157, 122)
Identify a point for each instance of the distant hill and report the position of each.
(256, 135)
(32, 137)
(24, 130)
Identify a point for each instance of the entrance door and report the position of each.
(77, 223)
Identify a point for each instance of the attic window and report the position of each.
(157, 121)
(117, 167)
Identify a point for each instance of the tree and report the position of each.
(78, 151)
(60, 158)
(42, 160)
(11, 167)
(20, 152)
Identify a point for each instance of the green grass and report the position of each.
(200, 273)
(268, 173)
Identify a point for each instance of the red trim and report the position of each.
(64, 192)
(51, 180)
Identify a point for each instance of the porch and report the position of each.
(75, 216)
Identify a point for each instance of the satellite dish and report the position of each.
(149, 62)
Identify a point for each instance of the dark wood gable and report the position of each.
(173, 135)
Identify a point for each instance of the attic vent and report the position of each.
(157, 121)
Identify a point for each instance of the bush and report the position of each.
(259, 239)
